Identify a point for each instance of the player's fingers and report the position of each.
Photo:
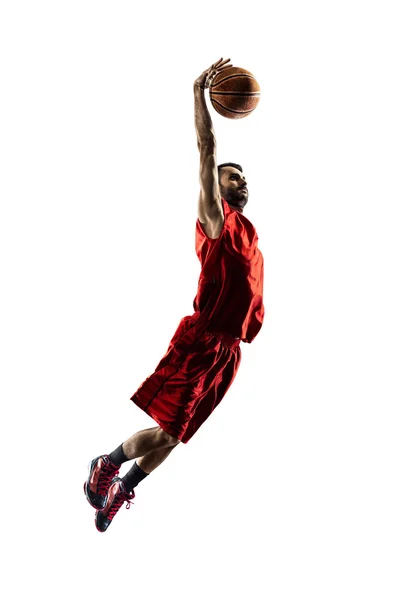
(217, 71)
(213, 71)
(225, 67)
(216, 64)
(209, 79)
(212, 74)
(217, 67)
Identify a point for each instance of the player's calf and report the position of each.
(148, 440)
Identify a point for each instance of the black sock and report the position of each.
(133, 477)
(118, 456)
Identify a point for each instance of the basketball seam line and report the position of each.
(231, 76)
(235, 93)
(239, 112)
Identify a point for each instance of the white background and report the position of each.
(291, 489)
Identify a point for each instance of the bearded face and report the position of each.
(233, 187)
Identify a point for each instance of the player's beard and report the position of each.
(235, 197)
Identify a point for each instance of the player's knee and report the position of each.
(167, 439)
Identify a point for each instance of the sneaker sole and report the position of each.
(95, 522)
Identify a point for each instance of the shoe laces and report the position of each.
(119, 499)
(108, 471)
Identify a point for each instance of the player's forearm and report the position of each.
(203, 123)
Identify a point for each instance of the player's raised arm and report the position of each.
(210, 198)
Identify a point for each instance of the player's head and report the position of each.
(233, 185)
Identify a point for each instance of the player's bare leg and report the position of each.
(146, 441)
(152, 460)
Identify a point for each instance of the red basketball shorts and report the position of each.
(191, 379)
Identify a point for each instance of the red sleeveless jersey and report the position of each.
(231, 281)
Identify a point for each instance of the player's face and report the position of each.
(233, 187)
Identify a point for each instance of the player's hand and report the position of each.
(205, 79)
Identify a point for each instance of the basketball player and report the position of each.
(204, 354)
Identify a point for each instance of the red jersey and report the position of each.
(232, 277)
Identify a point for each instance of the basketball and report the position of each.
(234, 93)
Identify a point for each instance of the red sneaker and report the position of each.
(116, 496)
(101, 472)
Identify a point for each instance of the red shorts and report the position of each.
(191, 379)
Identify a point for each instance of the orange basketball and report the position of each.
(234, 93)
